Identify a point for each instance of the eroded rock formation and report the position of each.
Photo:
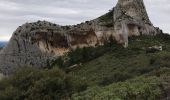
(35, 44)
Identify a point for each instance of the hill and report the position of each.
(117, 56)
(110, 72)
(128, 74)
(2, 44)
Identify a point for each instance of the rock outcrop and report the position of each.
(36, 44)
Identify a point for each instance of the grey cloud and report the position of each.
(14, 13)
(159, 12)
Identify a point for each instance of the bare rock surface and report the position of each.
(36, 44)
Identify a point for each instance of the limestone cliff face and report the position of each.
(130, 18)
(35, 44)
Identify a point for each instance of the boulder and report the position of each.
(154, 49)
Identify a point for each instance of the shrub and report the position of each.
(136, 89)
(116, 77)
(83, 55)
(34, 84)
(107, 17)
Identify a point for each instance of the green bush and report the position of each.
(83, 55)
(116, 77)
(136, 89)
(36, 84)
(107, 17)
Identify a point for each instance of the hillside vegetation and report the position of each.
(108, 72)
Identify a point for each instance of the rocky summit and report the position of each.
(36, 44)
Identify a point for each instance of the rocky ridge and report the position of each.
(36, 44)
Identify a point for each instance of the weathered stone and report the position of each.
(154, 49)
(36, 44)
(130, 18)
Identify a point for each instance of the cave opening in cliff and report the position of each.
(133, 29)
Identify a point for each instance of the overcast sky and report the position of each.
(14, 13)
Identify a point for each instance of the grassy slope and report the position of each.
(122, 65)
(130, 62)
(108, 72)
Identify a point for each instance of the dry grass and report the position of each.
(1, 76)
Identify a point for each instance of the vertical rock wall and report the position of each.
(36, 44)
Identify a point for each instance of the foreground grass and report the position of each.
(141, 88)
(1, 76)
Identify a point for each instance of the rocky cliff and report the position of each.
(35, 44)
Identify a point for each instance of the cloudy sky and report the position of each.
(14, 13)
